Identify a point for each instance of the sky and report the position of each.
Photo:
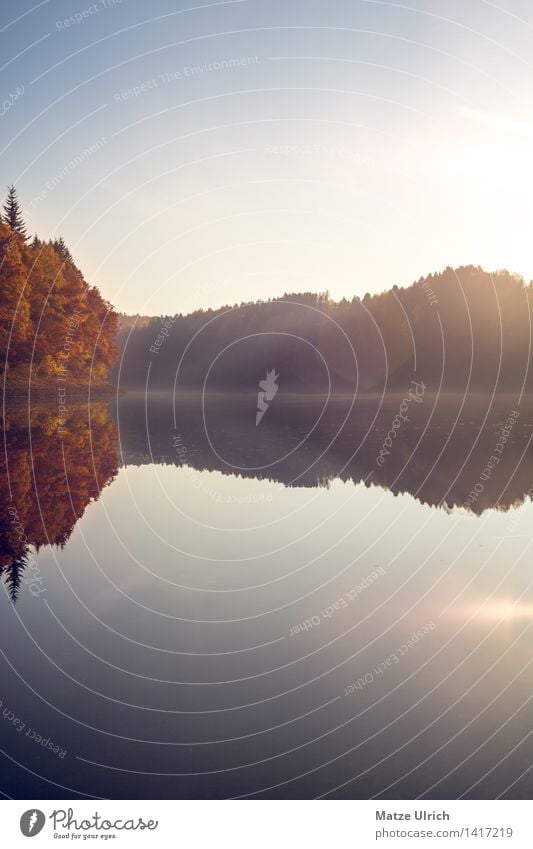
(196, 154)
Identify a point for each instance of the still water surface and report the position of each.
(195, 606)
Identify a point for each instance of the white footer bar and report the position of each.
(266, 824)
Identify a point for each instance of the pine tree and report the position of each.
(14, 576)
(61, 249)
(12, 214)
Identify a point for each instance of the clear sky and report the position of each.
(194, 154)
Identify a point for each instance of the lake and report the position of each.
(334, 602)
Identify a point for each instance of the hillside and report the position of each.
(461, 328)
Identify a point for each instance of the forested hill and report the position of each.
(53, 324)
(456, 329)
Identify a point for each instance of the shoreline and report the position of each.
(50, 391)
(93, 391)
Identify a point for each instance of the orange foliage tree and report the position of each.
(51, 320)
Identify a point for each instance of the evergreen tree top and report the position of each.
(61, 248)
(12, 214)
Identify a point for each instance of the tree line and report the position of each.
(52, 321)
(461, 329)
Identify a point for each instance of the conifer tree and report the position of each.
(14, 576)
(12, 214)
(61, 249)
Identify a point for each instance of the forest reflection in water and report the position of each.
(207, 607)
(47, 480)
(447, 452)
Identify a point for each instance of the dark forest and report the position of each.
(459, 329)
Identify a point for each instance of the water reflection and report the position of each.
(48, 477)
(448, 452)
(201, 627)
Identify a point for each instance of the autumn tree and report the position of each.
(14, 303)
(51, 320)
